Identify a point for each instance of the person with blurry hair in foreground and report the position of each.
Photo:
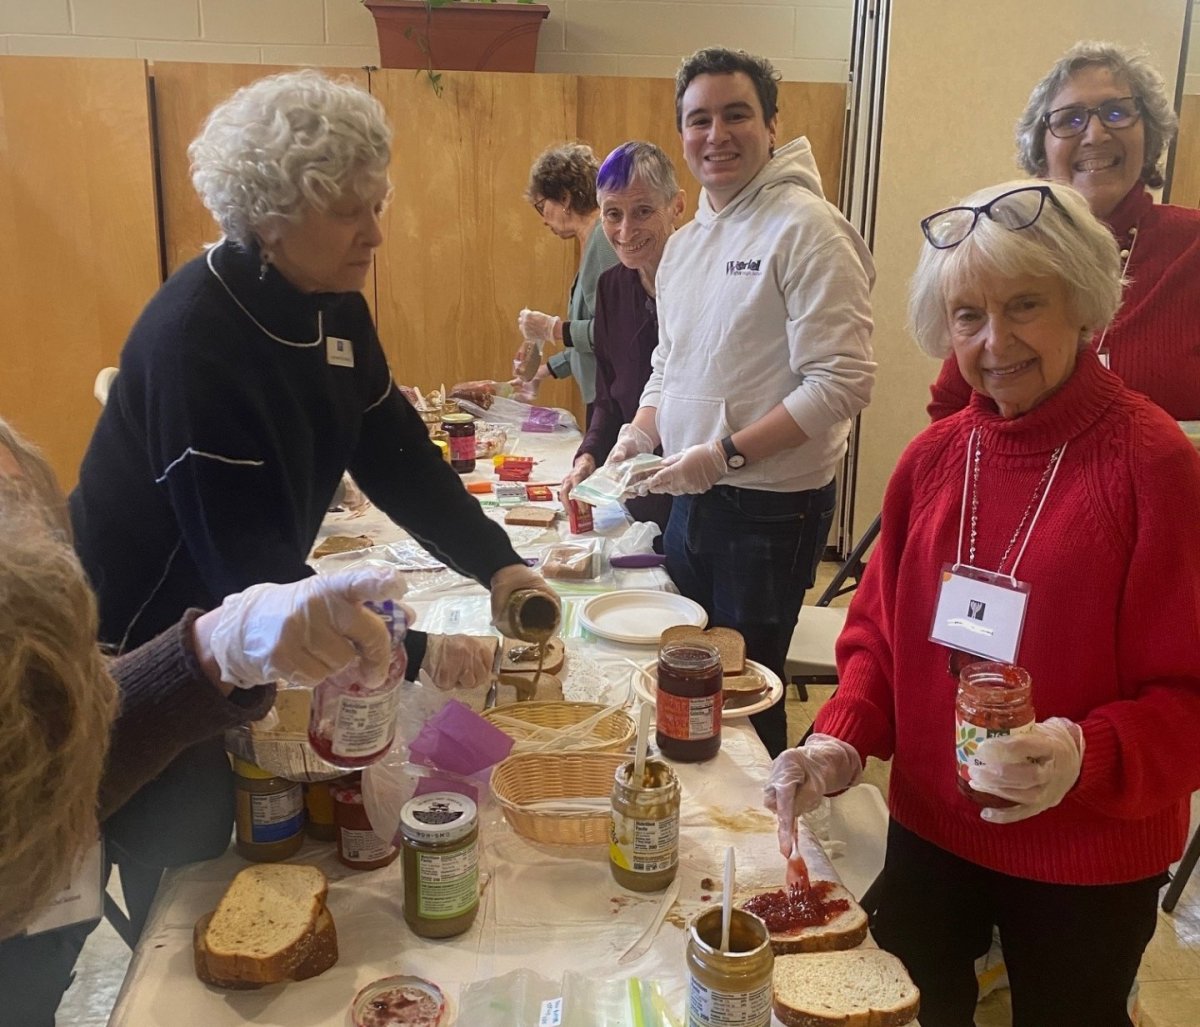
(1059, 480)
(82, 734)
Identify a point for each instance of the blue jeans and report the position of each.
(748, 556)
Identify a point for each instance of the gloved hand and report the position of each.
(631, 441)
(696, 469)
(308, 630)
(537, 326)
(583, 468)
(459, 661)
(800, 777)
(1034, 769)
(513, 578)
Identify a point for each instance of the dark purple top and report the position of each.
(625, 334)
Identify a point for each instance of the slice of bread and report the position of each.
(322, 954)
(728, 642)
(863, 988)
(265, 925)
(535, 516)
(846, 930)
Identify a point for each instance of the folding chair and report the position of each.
(1180, 878)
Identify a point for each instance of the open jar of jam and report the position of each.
(994, 699)
(687, 701)
(460, 430)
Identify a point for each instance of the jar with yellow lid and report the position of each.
(268, 814)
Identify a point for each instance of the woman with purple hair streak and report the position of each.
(640, 201)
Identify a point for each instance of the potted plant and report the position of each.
(462, 35)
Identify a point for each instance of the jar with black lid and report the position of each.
(460, 429)
(687, 701)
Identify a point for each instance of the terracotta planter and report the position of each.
(462, 36)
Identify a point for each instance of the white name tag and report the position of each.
(339, 352)
(81, 900)
(980, 613)
(1104, 361)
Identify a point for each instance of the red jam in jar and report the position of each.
(460, 429)
(358, 846)
(687, 702)
(994, 699)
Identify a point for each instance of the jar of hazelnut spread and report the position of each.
(994, 699)
(687, 702)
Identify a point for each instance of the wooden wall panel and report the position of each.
(78, 251)
(463, 251)
(1185, 178)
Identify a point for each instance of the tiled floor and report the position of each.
(1169, 978)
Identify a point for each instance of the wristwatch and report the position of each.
(734, 460)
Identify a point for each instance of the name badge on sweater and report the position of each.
(339, 352)
(80, 901)
(980, 612)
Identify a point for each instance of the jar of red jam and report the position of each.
(994, 699)
(358, 846)
(352, 726)
(687, 701)
(460, 430)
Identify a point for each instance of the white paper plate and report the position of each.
(639, 616)
(737, 704)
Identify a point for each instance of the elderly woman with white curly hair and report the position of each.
(1062, 500)
(251, 382)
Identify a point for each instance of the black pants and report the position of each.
(1072, 951)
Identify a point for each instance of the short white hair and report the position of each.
(1074, 247)
(286, 142)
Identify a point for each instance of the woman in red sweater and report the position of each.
(1060, 478)
(1101, 121)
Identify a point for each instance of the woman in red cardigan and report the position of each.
(1101, 121)
(1072, 497)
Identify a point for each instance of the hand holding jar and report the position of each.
(1035, 769)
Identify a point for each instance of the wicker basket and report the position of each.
(535, 777)
(611, 733)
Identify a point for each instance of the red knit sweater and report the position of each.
(1154, 343)
(1111, 639)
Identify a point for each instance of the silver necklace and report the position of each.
(208, 259)
(1126, 256)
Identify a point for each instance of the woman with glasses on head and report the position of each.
(562, 189)
(1068, 500)
(1101, 122)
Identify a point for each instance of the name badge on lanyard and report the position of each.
(980, 612)
(339, 352)
(80, 901)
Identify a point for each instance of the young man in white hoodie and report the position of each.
(764, 357)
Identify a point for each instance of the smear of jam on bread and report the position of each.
(787, 910)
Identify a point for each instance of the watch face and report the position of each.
(736, 461)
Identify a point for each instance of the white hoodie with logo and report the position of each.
(766, 301)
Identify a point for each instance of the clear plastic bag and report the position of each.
(613, 482)
(523, 997)
(574, 561)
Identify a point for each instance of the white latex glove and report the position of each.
(459, 661)
(631, 441)
(1034, 769)
(583, 468)
(537, 326)
(801, 777)
(510, 579)
(305, 631)
(696, 469)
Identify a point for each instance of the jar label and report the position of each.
(276, 817)
(462, 447)
(644, 846)
(447, 883)
(708, 1007)
(967, 737)
(364, 846)
(364, 723)
(688, 719)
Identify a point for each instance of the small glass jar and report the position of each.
(352, 726)
(687, 701)
(460, 428)
(440, 851)
(358, 846)
(994, 699)
(643, 846)
(268, 814)
(733, 988)
(533, 615)
(318, 804)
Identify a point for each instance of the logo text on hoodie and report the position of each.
(743, 267)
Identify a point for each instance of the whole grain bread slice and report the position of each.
(265, 925)
(862, 988)
(728, 642)
(847, 930)
(322, 954)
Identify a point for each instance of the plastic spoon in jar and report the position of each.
(797, 870)
(727, 899)
(643, 743)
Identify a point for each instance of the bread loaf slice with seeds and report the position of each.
(860, 988)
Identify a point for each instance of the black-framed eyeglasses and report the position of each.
(1014, 210)
(540, 207)
(1068, 122)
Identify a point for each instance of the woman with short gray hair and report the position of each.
(1049, 525)
(1101, 121)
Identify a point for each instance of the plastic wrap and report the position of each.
(613, 482)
